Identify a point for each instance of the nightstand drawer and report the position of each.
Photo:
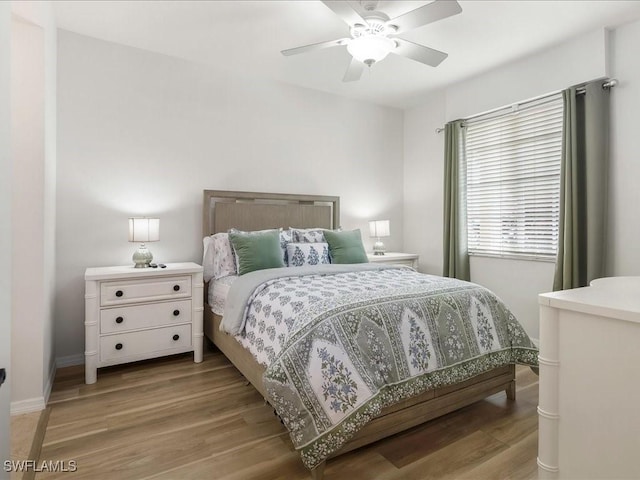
(395, 258)
(149, 289)
(408, 263)
(145, 342)
(122, 319)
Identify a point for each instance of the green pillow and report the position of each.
(346, 247)
(256, 250)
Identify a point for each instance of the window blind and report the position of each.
(513, 180)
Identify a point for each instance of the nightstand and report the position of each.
(395, 258)
(133, 314)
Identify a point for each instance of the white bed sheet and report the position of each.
(218, 291)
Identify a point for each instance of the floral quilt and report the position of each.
(356, 342)
(274, 307)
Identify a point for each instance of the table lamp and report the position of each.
(379, 229)
(143, 230)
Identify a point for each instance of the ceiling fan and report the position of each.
(374, 34)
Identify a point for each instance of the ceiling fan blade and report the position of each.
(315, 46)
(432, 12)
(354, 72)
(345, 12)
(419, 53)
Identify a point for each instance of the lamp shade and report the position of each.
(379, 228)
(144, 229)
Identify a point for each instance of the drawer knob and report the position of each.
(176, 313)
(118, 346)
(176, 337)
(176, 288)
(119, 293)
(119, 320)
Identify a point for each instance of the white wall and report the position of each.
(5, 229)
(27, 142)
(49, 187)
(143, 134)
(423, 183)
(573, 62)
(33, 135)
(516, 282)
(623, 256)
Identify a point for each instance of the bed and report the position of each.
(252, 211)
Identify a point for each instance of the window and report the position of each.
(513, 180)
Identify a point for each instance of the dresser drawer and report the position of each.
(122, 319)
(149, 289)
(144, 342)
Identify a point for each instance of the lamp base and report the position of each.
(142, 257)
(378, 248)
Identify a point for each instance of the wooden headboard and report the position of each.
(223, 210)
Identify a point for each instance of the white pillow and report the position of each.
(286, 237)
(307, 235)
(218, 260)
(306, 253)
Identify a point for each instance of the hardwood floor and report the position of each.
(27, 432)
(173, 419)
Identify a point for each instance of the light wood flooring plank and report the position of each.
(514, 463)
(469, 451)
(170, 419)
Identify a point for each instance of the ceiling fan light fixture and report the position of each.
(371, 30)
(369, 49)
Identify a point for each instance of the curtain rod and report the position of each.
(608, 85)
(581, 90)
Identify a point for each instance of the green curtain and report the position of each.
(583, 184)
(456, 255)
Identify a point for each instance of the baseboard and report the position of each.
(70, 360)
(27, 406)
(35, 404)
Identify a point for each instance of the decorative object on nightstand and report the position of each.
(143, 230)
(133, 314)
(395, 258)
(377, 230)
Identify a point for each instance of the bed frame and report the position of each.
(256, 211)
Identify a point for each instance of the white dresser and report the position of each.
(133, 314)
(589, 404)
(395, 258)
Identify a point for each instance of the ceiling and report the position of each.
(245, 37)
